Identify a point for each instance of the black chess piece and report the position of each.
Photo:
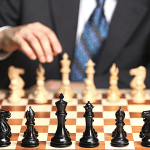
(34, 131)
(119, 139)
(146, 129)
(141, 135)
(115, 131)
(7, 114)
(89, 139)
(5, 131)
(30, 139)
(61, 137)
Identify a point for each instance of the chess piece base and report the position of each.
(14, 99)
(86, 99)
(113, 99)
(5, 144)
(146, 142)
(60, 145)
(88, 142)
(40, 101)
(119, 144)
(30, 142)
(139, 101)
(4, 141)
(90, 145)
(60, 141)
(29, 145)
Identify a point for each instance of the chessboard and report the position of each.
(104, 119)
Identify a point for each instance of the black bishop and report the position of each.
(89, 139)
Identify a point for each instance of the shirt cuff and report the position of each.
(4, 27)
(3, 54)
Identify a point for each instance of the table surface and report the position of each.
(104, 120)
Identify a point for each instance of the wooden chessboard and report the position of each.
(104, 120)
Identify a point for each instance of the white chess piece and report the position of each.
(16, 84)
(89, 95)
(137, 84)
(66, 92)
(113, 92)
(90, 76)
(65, 71)
(41, 94)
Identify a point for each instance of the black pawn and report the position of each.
(30, 139)
(61, 137)
(119, 139)
(5, 132)
(89, 139)
(146, 129)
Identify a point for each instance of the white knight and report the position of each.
(137, 84)
(16, 84)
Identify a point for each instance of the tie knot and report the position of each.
(100, 2)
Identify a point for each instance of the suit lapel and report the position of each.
(127, 17)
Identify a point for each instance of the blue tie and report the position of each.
(90, 45)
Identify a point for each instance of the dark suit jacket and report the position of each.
(127, 44)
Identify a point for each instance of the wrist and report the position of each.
(2, 36)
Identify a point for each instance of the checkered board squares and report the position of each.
(104, 119)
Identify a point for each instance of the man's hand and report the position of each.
(34, 40)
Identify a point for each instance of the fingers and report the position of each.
(49, 44)
(34, 40)
(45, 45)
(36, 47)
(26, 49)
(55, 44)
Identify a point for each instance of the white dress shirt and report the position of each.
(85, 10)
(87, 7)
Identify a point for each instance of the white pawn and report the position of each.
(66, 91)
(89, 95)
(113, 92)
